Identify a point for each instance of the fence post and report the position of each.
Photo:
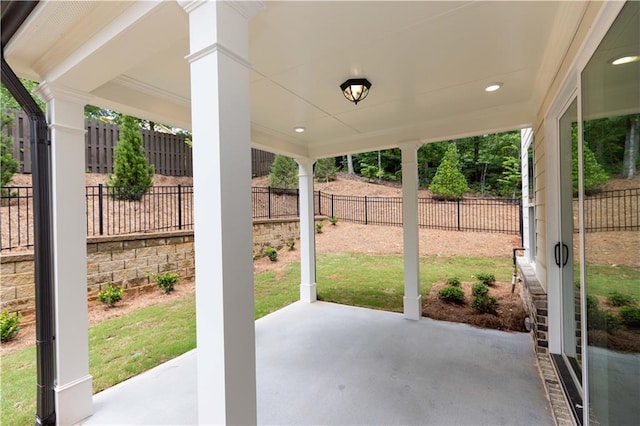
(332, 214)
(100, 208)
(319, 205)
(366, 221)
(269, 202)
(298, 202)
(458, 202)
(521, 220)
(179, 206)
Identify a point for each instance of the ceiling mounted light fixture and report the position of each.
(355, 89)
(625, 60)
(493, 87)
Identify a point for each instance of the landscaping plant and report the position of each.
(333, 220)
(454, 281)
(9, 325)
(284, 173)
(630, 316)
(615, 298)
(486, 278)
(449, 183)
(485, 304)
(132, 173)
(165, 281)
(110, 295)
(271, 253)
(291, 244)
(319, 226)
(479, 290)
(451, 294)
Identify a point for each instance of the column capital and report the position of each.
(409, 145)
(305, 165)
(247, 9)
(48, 91)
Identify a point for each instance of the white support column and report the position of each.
(220, 115)
(412, 296)
(307, 232)
(73, 388)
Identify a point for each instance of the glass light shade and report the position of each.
(355, 89)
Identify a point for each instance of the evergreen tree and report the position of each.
(132, 173)
(594, 174)
(284, 173)
(325, 170)
(449, 183)
(8, 164)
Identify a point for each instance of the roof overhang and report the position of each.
(429, 63)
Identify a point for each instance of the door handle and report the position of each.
(565, 254)
(556, 253)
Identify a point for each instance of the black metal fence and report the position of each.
(163, 208)
(617, 210)
(166, 208)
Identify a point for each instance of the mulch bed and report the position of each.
(510, 316)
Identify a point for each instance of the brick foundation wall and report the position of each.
(126, 260)
(534, 299)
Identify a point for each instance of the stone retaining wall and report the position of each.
(127, 260)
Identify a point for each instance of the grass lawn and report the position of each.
(123, 347)
(602, 279)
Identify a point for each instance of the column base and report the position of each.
(412, 307)
(74, 401)
(308, 293)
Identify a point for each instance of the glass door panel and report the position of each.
(567, 247)
(610, 163)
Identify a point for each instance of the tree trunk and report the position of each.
(476, 159)
(350, 164)
(379, 165)
(631, 148)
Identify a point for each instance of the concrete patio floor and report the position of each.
(324, 363)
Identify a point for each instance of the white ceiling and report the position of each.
(428, 63)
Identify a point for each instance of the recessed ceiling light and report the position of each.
(299, 129)
(625, 60)
(493, 87)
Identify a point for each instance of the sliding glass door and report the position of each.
(610, 93)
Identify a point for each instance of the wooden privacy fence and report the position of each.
(169, 153)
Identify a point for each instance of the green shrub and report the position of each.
(630, 316)
(594, 174)
(8, 164)
(454, 281)
(615, 298)
(165, 281)
(485, 304)
(449, 183)
(479, 290)
(451, 294)
(325, 170)
(132, 173)
(291, 244)
(333, 220)
(271, 253)
(284, 173)
(598, 319)
(319, 226)
(486, 278)
(110, 295)
(370, 172)
(9, 325)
